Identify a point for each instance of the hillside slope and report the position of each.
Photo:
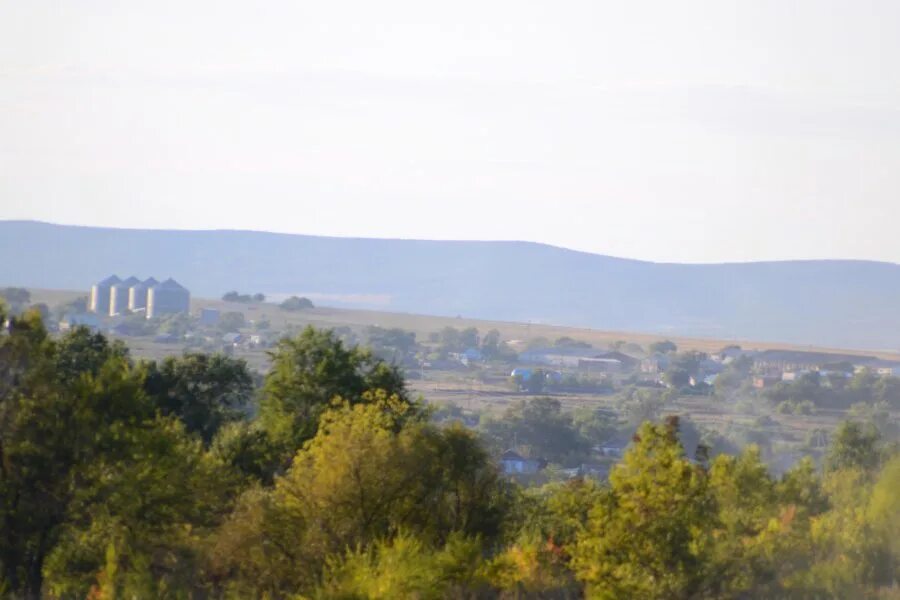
(834, 303)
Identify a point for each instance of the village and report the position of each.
(479, 373)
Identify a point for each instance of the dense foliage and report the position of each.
(182, 479)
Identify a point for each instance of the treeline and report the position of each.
(838, 391)
(234, 296)
(187, 478)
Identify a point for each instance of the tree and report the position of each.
(593, 425)
(311, 370)
(17, 298)
(651, 536)
(243, 298)
(137, 529)
(640, 404)
(62, 408)
(247, 448)
(848, 552)
(231, 321)
(887, 391)
(77, 306)
(663, 347)
(395, 342)
(536, 382)
(296, 303)
(82, 351)
(854, 446)
(372, 470)
(406, 567)
(490, 344)
(495, 349)
(455, 340)
(567, 342)
(43, 310)
(137, 325)
(539, 427)
(203, 391)
(748, 531)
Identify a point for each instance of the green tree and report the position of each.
(537, 426)
(536, 383)
(203, 391)
(73, 307)
(61, 410)
(247, 448)
(490, 344)
(394, 343)
(82, 351)
(311, 370)
(663, 347)
(640, 404)
(455, 340)
(231, 321)
(594, 425)
(854, 446)
(296, 303)
(17, 298)
(138, 528)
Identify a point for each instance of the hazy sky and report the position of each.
(676, 131)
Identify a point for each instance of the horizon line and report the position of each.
(444, 240)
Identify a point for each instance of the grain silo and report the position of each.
(100, 293)
(167, 298)
(137, 294)
(118, 296)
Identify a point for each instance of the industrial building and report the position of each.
(113, 296)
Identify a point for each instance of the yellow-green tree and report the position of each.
(308, 372)
(651, 536)
(368, 474)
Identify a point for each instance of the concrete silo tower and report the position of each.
(137, 294)
(100, 293)
(118, 296)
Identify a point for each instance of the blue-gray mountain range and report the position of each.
(842, 303)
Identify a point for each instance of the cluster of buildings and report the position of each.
(768, 367)
(773, 366)
(583, 359)
(113, 296)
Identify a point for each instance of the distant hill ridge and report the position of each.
(823, 302)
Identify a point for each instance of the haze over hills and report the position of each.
(823, 302)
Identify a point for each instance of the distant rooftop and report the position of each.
(111, 280)
(169, 284)
(511, 455)
(130, 281)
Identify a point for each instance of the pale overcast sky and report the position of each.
(674, 131)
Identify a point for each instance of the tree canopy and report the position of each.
(192, 478)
